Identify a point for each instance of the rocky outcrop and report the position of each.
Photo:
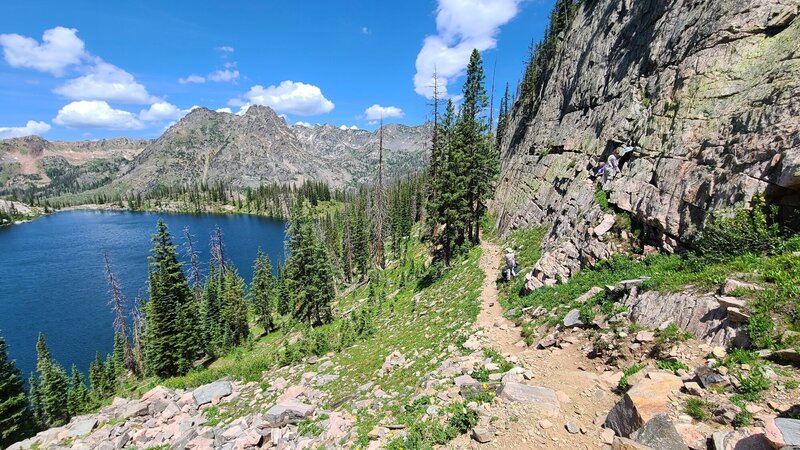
(700, 314)
(706, 91)
(179, 419)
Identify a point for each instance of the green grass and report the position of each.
(672, 365)
(627, 372)
(698, 409)
(778, 303)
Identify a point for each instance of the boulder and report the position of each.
(605, 225)
(742, 439)
(482, 435)
(207, 393)
(82, 427)
(732, 285)
(692, 388)
(730, 302)
(707, 376)
(659, 433)
(736, 315)
(645, 336)
(289, 411)
(395, 359)
(645, 400)
(136, 409)
(788, 354)
(586, 296)
(544, 399)
(464, 379)
(573, 318)
(783, 432)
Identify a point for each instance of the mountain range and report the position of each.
(206, 146)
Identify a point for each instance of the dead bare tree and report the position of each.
(194, 267)
(379, 213)
(348, 249)
(120, 324)
(217, 249)
(139, 325)
(491, 98)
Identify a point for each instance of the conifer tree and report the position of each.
(35, 401)
(284, 301)
(16, 420)
(234, 309)
(77, 395)
(262, 292)
(449, 209)
(173, 333)
(309, 276)
(480, 156)
(53, 386)
(97, 378)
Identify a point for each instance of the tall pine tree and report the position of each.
(52, 387)
(262, 292)
(16, 420)
(309, 276)
(173, 333)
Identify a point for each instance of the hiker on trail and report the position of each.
(611, 167)
(511, 264)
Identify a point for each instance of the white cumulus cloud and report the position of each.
(289, 97)
(300, 123)
(96, 114)
(345, 127)
(217, 76)
(32, 127)
(462, 25)
(225, 49)
(225, 110)
(222, 76)
(162, 111)
(376, 111)
(106, 82)
(60, 48)
(192, 79)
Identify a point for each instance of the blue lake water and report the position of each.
(52, 279)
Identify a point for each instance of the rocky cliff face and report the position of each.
(708, 91)
(259, 147)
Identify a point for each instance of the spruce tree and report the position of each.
(97, 378)
(16, 420)
(77, 395)
(35, 401)
(309, 276)
(262, 292)
(449, 210)
(234, 308)
(53, 386)
(481, 160)
(173, 334)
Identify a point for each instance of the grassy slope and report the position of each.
(778, 274)
(421, 317)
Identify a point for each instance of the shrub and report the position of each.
(748, 230)
(754, 383)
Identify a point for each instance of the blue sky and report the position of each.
(86, 69)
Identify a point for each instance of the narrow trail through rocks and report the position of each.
(583, 389)
(503, 335)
